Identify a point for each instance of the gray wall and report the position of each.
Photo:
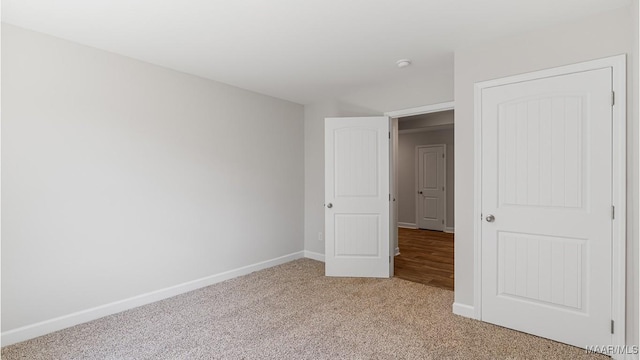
(120, 178)
(603, 35)
(407, 172)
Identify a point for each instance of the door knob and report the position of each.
(329, 205)
(490, 218)
(420, 192)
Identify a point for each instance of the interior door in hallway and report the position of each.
(430, 179)
(547, 206)
(357, 197)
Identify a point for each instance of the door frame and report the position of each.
(444, 197)
(618, 64)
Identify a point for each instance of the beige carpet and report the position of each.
(293, 312)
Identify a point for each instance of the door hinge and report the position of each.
(389, 134)
(613, 98)
(443, 156)
(613, 212)
(389, 197)
(612, 326)
(389, 259)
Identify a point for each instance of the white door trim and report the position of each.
(427, 109)
(417, 182)
(618, 64)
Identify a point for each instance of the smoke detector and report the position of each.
(402, 63)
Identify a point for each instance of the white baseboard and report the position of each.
(407, 225)
(65, 321)
(314, 255)
(449, 230)
(397, 251)
(464, 310)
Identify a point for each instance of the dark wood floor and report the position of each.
(425, 257)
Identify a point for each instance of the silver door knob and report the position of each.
(329, 205)
(490, 218)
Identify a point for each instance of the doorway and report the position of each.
(361, 187)
(424, 177)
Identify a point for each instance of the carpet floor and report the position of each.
(292, 311)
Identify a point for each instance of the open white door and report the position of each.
(357, 197)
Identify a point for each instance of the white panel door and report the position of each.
(546, 207)
(357, 197)
(430, 182)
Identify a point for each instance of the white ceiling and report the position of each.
(299, 50)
